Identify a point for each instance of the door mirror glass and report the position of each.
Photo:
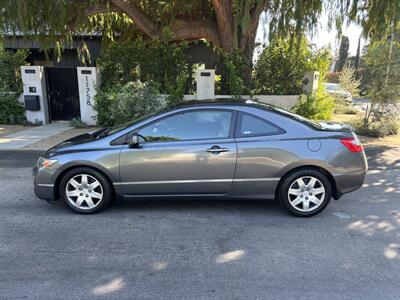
(133, 140)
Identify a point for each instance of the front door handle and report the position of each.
(217, 149)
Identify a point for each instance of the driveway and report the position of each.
(175, 249)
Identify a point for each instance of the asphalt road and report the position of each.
(174, 249)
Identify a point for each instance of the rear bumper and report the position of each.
(348, 182)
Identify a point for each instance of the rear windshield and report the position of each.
(286, 113)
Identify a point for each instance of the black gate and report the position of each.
(62, 93)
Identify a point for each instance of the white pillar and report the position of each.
(34, 84)
(205, 84)
(88, 84)
(310, 81)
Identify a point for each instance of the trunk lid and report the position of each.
(335, 126)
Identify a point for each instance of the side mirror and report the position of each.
(133, 140)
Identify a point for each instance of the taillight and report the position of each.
(352, 143)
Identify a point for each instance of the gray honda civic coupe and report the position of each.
(216, 149)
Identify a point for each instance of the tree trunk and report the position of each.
(223, 10)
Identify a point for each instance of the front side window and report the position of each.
(249, 125)
(191, 125)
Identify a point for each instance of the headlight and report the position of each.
(45, 163)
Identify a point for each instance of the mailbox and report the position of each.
(32, 102)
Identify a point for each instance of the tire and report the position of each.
(85, 190)
(306, 186)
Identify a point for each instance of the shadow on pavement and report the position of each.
(383, 157)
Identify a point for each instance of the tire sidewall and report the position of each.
(107, 189)
(287, 182)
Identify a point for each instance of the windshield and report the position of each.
(286, 113)
(116, 128)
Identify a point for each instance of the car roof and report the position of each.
(248, 103)
(224, 101)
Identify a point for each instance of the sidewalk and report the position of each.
(22, 139)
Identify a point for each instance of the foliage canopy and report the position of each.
(280, 70)
(227, 24)
(11, 111)
(383, 73)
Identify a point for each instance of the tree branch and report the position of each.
(100, 9)
(223, 10)
(181, 29)
(138, 16)
(195, 30)
(249, 34)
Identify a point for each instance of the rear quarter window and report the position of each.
(249, 125)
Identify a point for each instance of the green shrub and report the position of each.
(11, 110)
(10, 72)
(77, 123)
(380, 128)
(233, 74)
(344, 107)
(317, 106)
(158, 61)
(282, 65)
(122, 104)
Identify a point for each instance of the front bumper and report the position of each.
(43, 187)
(44, 192)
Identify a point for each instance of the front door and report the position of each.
(192, 152)
(63, 93)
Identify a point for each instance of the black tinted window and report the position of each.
(252, 126)
(192, 125)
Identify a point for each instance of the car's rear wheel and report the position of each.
(85, 190)
(305, 193)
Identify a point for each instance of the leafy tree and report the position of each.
(378, 18)
(348, 82)
(230, 25)
(280, 70)
(383, 88)
(343, 53)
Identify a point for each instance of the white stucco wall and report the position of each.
(205, 83)
(34, 77)
(88, 83)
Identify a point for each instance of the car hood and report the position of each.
(77, 140)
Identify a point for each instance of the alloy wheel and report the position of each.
(84, 191)
(306, 193)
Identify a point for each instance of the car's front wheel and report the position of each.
(85, 190)
(305, 193)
